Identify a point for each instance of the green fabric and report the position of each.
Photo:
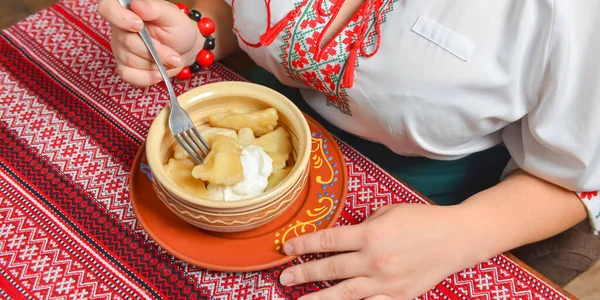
(444, 182)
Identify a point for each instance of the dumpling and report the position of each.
(277, 177)
(208, 134)
(260, 121)
(223, 164)
(277, 145)
(245, 136)
(181, 173)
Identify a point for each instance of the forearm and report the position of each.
(520, 210)
(220, 12)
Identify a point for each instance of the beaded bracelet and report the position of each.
(205, 57)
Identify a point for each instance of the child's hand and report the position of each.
(175, 35)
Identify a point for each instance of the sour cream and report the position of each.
(257, 167)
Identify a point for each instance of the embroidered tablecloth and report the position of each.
(69, 131)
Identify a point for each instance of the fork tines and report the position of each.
(193, 143)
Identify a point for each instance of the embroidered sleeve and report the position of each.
(591, 200)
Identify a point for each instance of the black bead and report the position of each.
(209, 43)
(195, 15)
(195, 68)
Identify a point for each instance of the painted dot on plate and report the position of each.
(336, 172)
(320, 135)
(324, 186)
(327, 218)
(319, 195)
(331, 212)
(325, 146)
(278, 248)
(334, 207)
(312, 134)
(336, 201)
(276, 241)
(334, 165)
(331, 184)
(326, 193)
(326, 152)
(325, 140)
(330, 158)
(332, 195)
(319, 223)
(335, 179)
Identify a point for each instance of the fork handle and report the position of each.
(148, 41)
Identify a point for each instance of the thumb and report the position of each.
(158, 12)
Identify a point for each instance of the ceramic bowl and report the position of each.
(229, 216)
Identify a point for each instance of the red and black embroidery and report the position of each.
(330, 69)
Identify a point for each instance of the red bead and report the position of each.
(206, 26)
(184, 74)
(205, 58)
(183, 8)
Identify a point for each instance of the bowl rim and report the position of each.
(159, 128)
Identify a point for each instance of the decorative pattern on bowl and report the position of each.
(224, 222)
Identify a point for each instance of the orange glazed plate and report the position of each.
(317, 207)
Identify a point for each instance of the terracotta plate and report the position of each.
(317, 207)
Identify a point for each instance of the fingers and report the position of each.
(135, 64)
(352, 289)
(124, 43)
(336, 239)
(131, 60)
(340, 266)
(142, 77)
(119, 16)
(161, 13)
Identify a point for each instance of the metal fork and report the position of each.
(181, 125)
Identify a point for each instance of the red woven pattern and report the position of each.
(69, 129)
